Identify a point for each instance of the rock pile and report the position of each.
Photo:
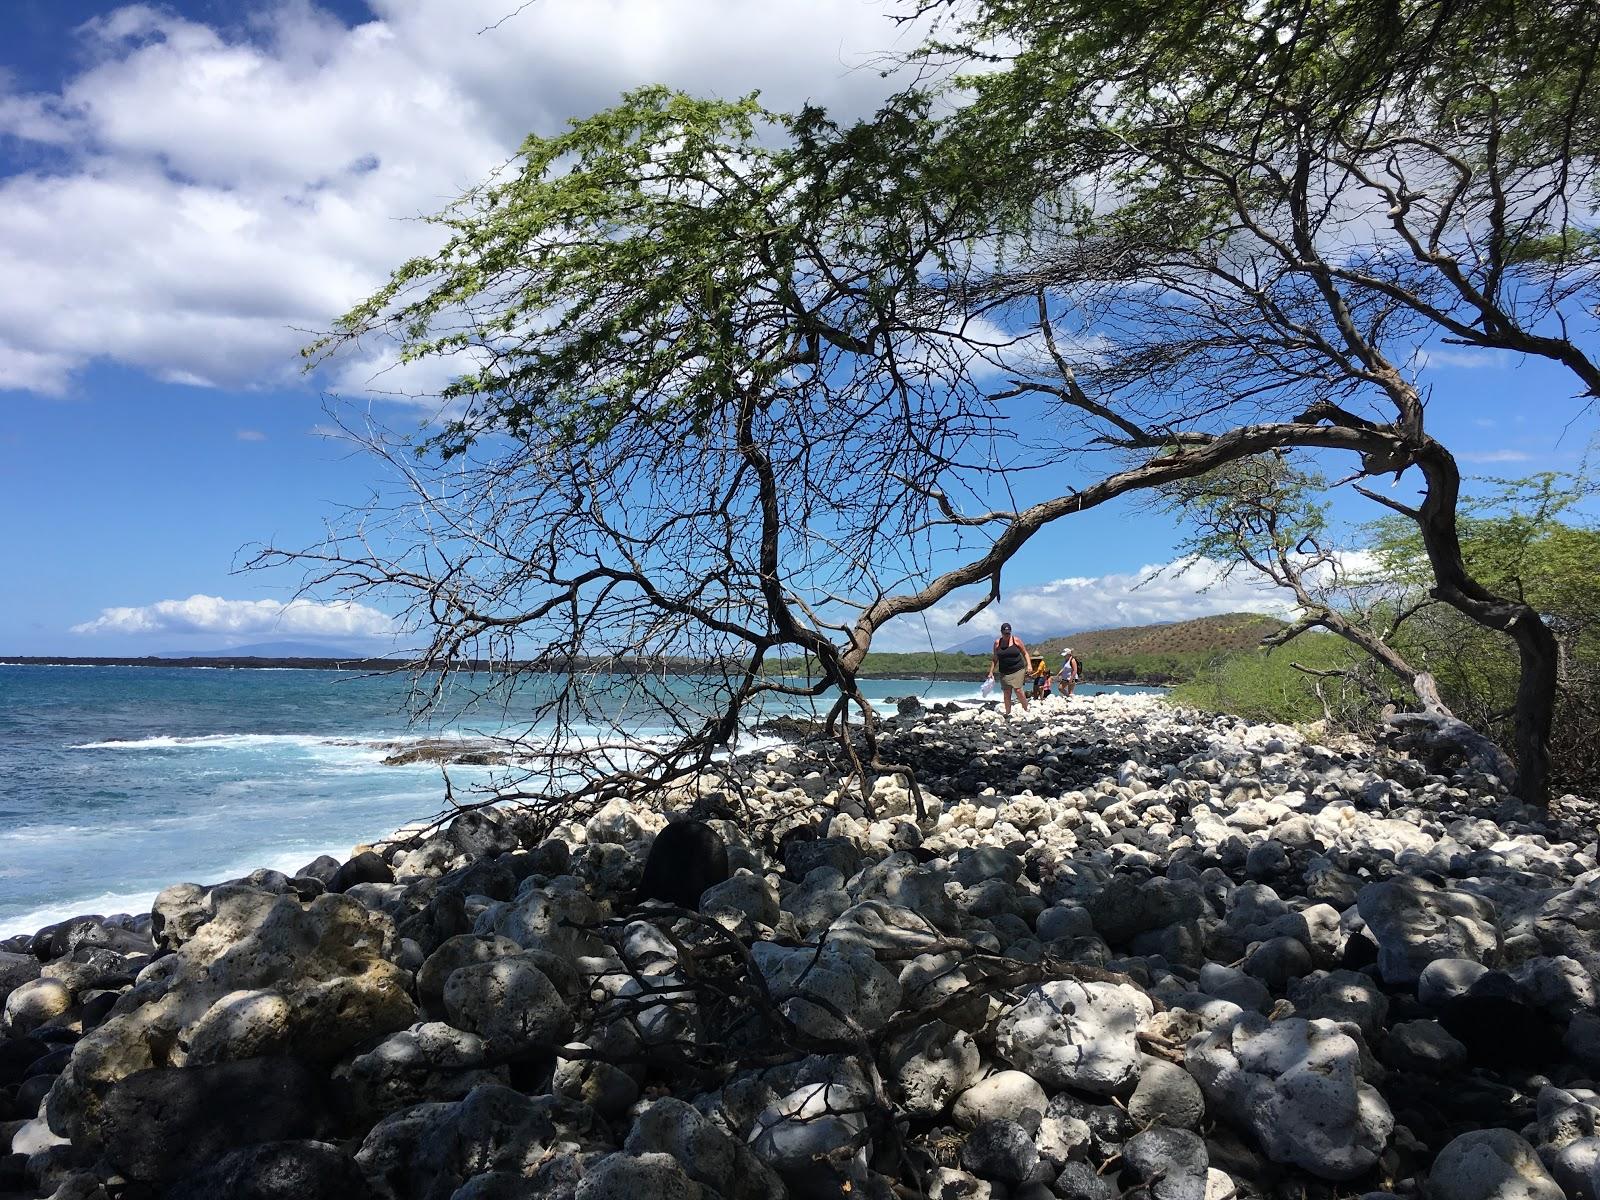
(1130, 950)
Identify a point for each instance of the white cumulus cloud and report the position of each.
(213, 614)
(212, 195)
(1157, 593)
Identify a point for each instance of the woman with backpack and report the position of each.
(1071, 672)
(1009, 661)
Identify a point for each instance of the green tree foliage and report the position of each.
(1529, 538)
(1276, 684)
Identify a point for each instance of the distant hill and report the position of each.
(1160, 653)
(272, 650)
(1214, 635)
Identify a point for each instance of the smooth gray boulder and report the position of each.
(1005, 1095)
(813, 1131)
(1278, 961)
(33, 1003)
(1064, 922)
(1582, 1040)
(1490, 1164)
(1233, 985)
(16, 970)
(1166, 1095)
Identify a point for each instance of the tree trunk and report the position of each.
(1538, 653)
(1536, 706)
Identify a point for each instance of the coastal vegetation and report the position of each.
(743, 384)
(1382, 632)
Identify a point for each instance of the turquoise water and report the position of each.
(117, 781)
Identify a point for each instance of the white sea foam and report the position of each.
(215, 741)
(106, 904)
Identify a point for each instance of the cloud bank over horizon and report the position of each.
(193, 200)
(201, 614)
(1154, 594)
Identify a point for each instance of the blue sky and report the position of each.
(186, 188)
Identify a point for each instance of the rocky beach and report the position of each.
(1130, 950)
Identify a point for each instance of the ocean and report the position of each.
(118, 781)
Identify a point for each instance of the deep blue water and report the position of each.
(117, 781)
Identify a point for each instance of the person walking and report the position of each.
(1039, 677)
(1009, 660)
(1070, 670)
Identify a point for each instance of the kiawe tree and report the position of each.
(736, 383)
(1290, 205)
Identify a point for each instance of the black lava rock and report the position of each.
(1169, 1163)
(686, 858)
(168, 1122)
(17, 1055)
(52, 1063)
(1078, 1181)
(14, 1175)
(802, 856)
(276, 1171)
(30, 1096)
(365, 867)
(1001, 1150)
(323, 868)
(1500, 1031)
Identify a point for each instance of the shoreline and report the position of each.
(1108, 910)
(390, 666)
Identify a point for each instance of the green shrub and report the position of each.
(1263, 685)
